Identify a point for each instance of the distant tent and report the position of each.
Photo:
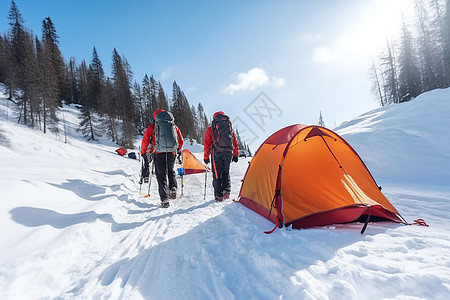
(308, 176)
(191, 164)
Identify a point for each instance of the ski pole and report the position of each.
(180, 160)
(150, 177)
(206, 175)
(140, 181)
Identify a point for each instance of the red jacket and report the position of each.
(207, 141)
(149, 139)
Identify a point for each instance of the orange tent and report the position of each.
(308, 176)
(191, 164)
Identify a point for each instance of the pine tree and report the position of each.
(73, 82)
(238, 138)
(122, 94)
(88, 125)
(139, 106)
(4, 59)
(249, 151)
(17, 39)
(52, 68)
(162, 102)
(321, 122)
(426, 49)
(444, 25)
(109, 111)
(146, 103)
(409, 73)
(6, 64)
(150, 92)
(389, 74)
(376, 86)
(203, 122)
(153, 99)
(181, 111)
(92, 83)
(96, 81)
(54, 58)
(195, 119)
(33, 81)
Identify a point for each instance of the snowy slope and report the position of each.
(406, 144)
(73, 225)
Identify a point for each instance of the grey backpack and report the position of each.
(165, 133)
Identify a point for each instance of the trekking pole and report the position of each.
(182, 184)
(140, 181)
(180, 160)
(150, 177)
(206, 175)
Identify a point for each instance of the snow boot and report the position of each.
(173, 193)
(165, 203)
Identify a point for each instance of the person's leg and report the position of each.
(215, 163)
(161, 175)
(171, 171)
(145, 168)
(225, 167)
(171, 175)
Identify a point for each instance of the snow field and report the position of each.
(73, 225)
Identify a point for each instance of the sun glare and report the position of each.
(389, 14)
(383, 21)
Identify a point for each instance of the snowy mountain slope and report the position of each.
(73, 225)
(407, 143)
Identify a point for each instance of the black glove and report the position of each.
(147, 158)
(179, 152)
(206, 160)
(235, 158)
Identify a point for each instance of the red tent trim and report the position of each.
(193, 171)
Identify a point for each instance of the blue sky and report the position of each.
(267, 64)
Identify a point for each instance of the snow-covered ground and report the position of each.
(73, 225)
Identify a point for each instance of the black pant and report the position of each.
(221, 172)
(164, 164)
(145, 166)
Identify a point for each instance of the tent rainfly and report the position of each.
(191, 164)
(308, 176)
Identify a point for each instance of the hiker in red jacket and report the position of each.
(221, 139)
(161, 142)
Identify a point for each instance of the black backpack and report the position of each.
(165, 133)
(222, 133)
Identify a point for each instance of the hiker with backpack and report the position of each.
(162, 141)
(220, 138)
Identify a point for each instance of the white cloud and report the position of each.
(323, 55)
(253, 79)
